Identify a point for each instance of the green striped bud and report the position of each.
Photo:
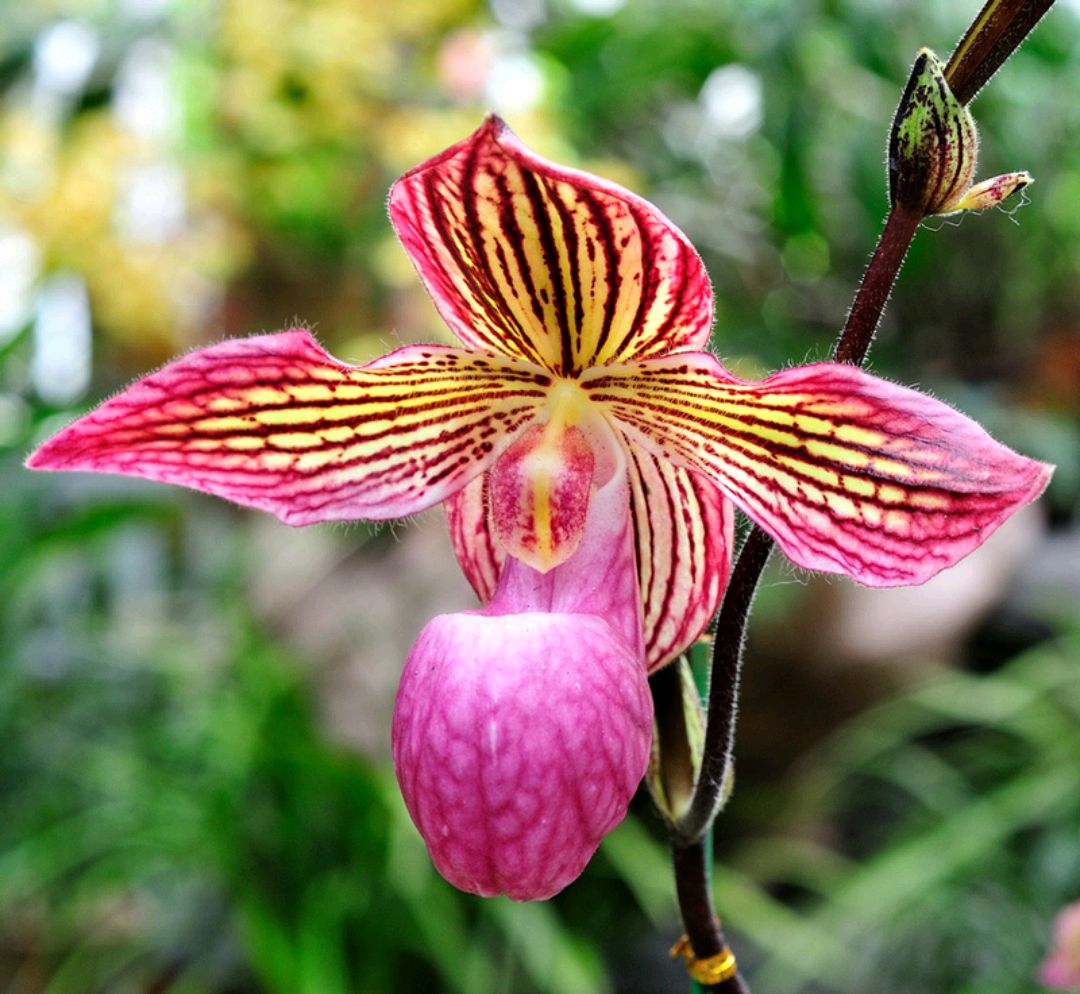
(934, 148)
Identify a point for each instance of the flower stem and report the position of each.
(688, 836)
(996, 32)
(695, 902)
(851, 346)
(877, 283)
(724, 686)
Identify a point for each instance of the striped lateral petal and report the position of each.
(275, 423)
(557, 267)
(683, 532)
(850, 473)
(478, 552)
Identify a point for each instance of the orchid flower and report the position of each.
(589, 451)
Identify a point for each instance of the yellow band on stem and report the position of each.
(709, 971)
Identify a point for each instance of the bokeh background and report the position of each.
(195, 793)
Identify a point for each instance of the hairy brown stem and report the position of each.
(689, 835)
(996, 32)
(877, 283)
(724, 686)
(851, 346)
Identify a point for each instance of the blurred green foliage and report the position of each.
(946, 837)
(174, 815)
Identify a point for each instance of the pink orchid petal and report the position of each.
(1060, 970)
(519, 741)
(850, 473)
(521, 731)
(528, 259)
(275, 423)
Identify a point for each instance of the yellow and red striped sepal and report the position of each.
(274, 422)
(551, 265)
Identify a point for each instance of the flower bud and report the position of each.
(933, 145)
(934, 149)
(991, 192)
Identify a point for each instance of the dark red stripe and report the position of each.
(605, 239)
(573, 249)
(650, 282)
(550, 252)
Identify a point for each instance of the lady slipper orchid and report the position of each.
(582, 414)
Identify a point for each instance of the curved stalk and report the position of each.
(689, 835)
